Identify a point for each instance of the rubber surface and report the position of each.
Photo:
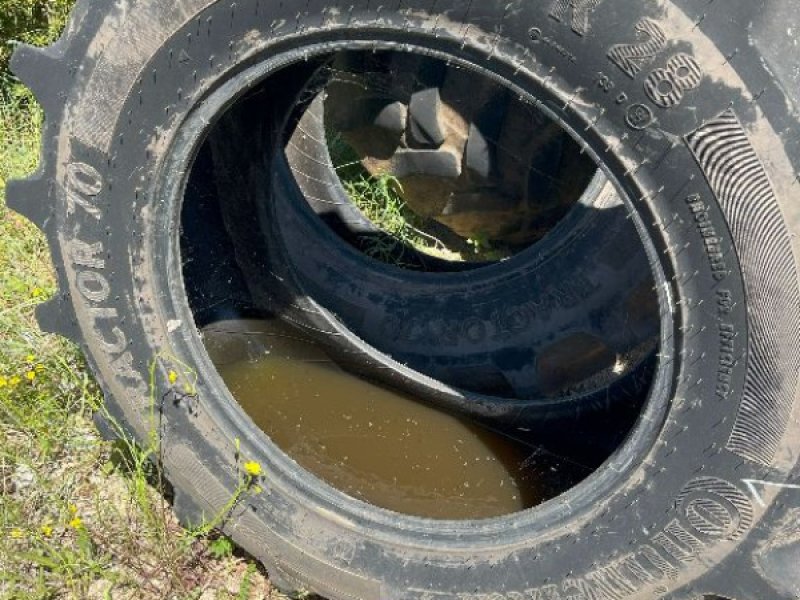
(490, 330)
(495, 335)
(702, 501)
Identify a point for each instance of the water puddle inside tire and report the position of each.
(373, 443)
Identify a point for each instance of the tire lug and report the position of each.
(57, 316)
(424, 123)
(31, 198)
(477, 156)
(393, 118)
(41, 70)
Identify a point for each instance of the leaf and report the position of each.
(220, 548)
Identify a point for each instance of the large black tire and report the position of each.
(573, 276)
(691, 107)
(476, 339)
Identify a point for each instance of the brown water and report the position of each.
(373, 443)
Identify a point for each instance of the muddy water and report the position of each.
(372, 443)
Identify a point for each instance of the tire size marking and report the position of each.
(632, 58)
(710, 513)
(666, 87)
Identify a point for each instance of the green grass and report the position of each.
(80, 517)
(380, 198)
(35, 22)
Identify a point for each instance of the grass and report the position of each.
(80, 517)
(36, 22)
(380, 198)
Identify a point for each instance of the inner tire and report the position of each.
(556, 291)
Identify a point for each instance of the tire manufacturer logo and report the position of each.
(709, 513)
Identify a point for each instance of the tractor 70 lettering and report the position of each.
(88, 257)
(83, 185)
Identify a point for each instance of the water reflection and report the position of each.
(373, 443)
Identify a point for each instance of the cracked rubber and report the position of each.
(700, 502)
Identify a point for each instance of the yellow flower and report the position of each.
(14, 381)
(3, 382)
(47, 531)
(30, 375)
(17, 534)
(173, 377)
(40, 368)
(36, 292)
(252, 468)
(76, 523)
(30, 358)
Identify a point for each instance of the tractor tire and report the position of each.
(690, 109)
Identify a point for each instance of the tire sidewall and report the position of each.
(301, 525)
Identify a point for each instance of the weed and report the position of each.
(247, 583)
(221, 547)
(379, 197)
(79, 517)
